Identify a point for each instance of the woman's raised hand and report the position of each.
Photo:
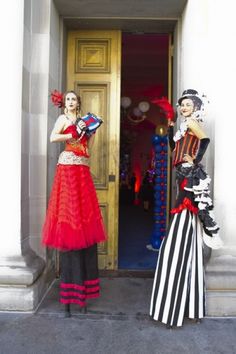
(188, 158)
(81, 124)
(170, 123)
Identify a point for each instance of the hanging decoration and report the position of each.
(134, 115)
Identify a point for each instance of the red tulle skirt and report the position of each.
(73, 219)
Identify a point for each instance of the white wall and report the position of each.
(11, 62)
(222, 78)
(55, 82)
(40, 75)
(206, 61)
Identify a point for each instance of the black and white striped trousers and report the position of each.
(179, 288)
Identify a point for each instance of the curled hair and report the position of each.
(197, 102)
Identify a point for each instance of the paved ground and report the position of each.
(117, 323)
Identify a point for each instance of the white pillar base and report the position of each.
(23, 282)
(221, 286)
(221, 303)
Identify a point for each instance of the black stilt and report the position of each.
(169, 326)
(198, 320)
(67, 310)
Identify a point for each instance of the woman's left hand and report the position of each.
(81, 124)
(188, 158)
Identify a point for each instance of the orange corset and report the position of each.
(78, 147)
(186, 145)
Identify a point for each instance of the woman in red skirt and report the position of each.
(73, 222)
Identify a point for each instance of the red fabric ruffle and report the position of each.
(186, 204)
(184, 183)
(73, 219)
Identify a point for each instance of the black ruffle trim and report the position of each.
(198, 183)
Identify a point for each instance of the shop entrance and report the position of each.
(144, 77)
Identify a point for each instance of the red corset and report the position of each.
(186, 145)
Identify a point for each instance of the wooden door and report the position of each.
(93, 71)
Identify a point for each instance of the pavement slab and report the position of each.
(117, 323)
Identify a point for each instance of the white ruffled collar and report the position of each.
(181, 131)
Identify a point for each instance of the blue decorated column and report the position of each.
(160, 143)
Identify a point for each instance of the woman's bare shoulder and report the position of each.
(60, 123)
(192, 122)
(61, 118)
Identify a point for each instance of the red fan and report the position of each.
(57, 98)
(166, 107)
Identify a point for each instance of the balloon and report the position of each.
(156, 188)
(159, 218)
(161, 130)
(158, 148)
(157, 196)
(164, 139)
(158, 179)
(156, 243)
(157, 226)
(165, 172)
(125, 102)
(155, 139)
(162, 222)
(156, 210)
(137, 112)
(165, 148)
(159, 187)
(165, 164)
(158, 203)
(158, 171)
(158, 165)
(144, 106)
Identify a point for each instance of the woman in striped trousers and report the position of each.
(179, 286)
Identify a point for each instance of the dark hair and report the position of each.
(77, 96)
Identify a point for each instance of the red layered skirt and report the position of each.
(73, 219)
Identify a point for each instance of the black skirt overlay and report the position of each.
(79, 276)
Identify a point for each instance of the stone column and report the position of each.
(206, 62)
(221, 270)
(19, 269)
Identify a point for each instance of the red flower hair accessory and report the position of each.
(57, 98)
(166, 107)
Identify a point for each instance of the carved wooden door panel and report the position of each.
(93, 71)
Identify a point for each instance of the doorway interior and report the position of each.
(144, 77)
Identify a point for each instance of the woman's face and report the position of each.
(71, 101)
(186, 107)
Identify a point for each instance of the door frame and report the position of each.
(64, 59)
